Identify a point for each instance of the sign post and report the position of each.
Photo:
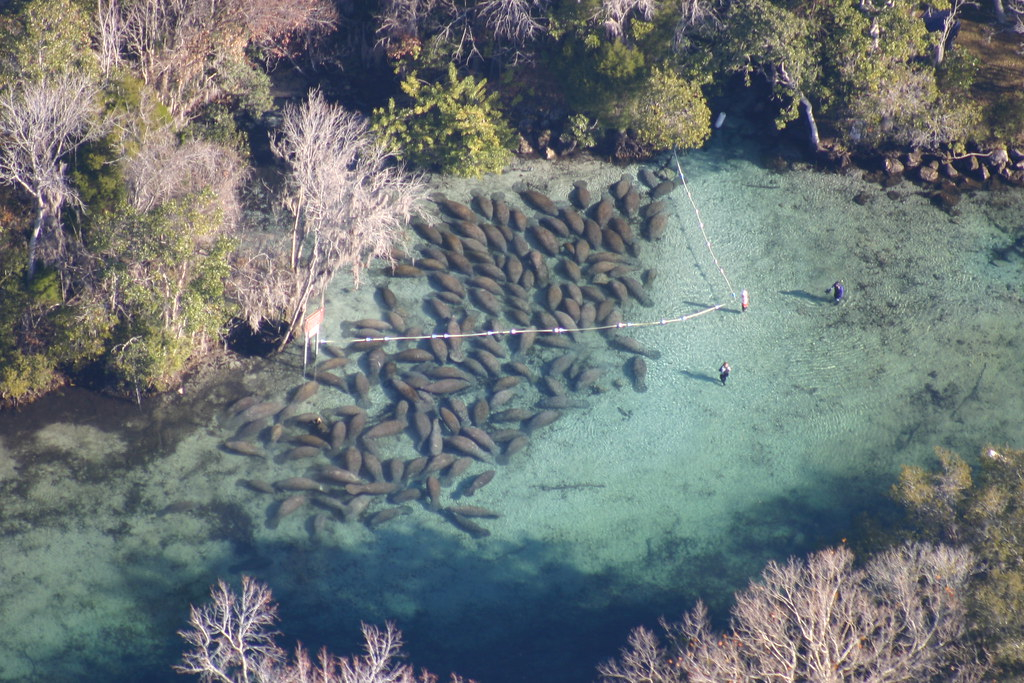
(311, 330)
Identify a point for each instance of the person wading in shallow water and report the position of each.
(723, 372)
(837, 289)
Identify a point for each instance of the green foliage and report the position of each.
(25, 377)
(153, 360)
(958, 72)
(668, 112)
(82, 331)
(166, 269)
(46, 38)
(217, 124)
(1006, 117)
(452, 127)
(986, 513)
(579, 131)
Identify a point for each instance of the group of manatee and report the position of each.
(484, 372)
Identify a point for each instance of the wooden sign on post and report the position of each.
(311, 330)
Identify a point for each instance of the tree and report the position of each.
(900, 618)
(231, 641)
(668, 112)
(983, 510)
(41, 123)
(193, 53)
(348, 202)
(451, 127)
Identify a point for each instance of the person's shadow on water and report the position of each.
(701, 376)
(803, 294)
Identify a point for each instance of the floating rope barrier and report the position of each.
(515, 331)
(700, 223)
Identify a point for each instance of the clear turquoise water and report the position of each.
(616, 514)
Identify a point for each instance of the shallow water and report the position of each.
(615, 514)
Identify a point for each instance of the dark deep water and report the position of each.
(617, 514)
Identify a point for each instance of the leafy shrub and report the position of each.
(25, 377)
(668, 112)
(154, 360)
(452, 127)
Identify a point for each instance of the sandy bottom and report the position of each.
(616, 514)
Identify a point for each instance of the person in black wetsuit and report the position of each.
(837, 289)
(723, 372)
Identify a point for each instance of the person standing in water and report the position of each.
(723, 372)
(744, 301)
(837, 289)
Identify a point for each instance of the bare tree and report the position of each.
(178, 43)
(231, 642)
(163, 170)
(41, 123)
(110, 35)
(615, 14)
(348, 202)
(900, 619)
(231, 638)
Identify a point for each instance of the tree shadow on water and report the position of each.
(497, 610)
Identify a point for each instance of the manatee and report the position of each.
(541, 419)
(361, 388)
(434, 491)
(603, 210)
(572, 270)
(339, 475)
(539, 201)
(412, 356)
(427, 232)
(638, 373)
(404, 496)
(449, 283)
(518, 220)
(631, 202)
(352, 459)
(580, 195)
(486, 301)
(414, 468)
(478, 482)
(500, 398)
(302, 452)
(438, 462)
(373, 466)
(298, 484)
(562, 402)
(631, 345)
(242, 404)
(501, 211)
(613, 241)
(572, 220)
(587, 379)
(620, 187)
(287, 507)
(456, 469)
(654, 228)
(471, 230)
(435, 440)
(648, 177)
(453, 208)
(465, 524)
(491, 345)
(330, 379)
(515, 444)
(386, 428)
(482, 204)
(386, 515)
(480, 411)
(250, 430)
(480, 437)
(592, 233)
(637, 291)
(662, 188)
(178, 507)
(257, 485)
(495, 239)
(464, 444)
(245, 448)
(357, 506)
(395, 469)
(440, 307)
(622, 228)
(331, 364)
(376, 488)
(472, 511)
(404, 270)
(447, 386)
(486, 283)
(260, 411)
